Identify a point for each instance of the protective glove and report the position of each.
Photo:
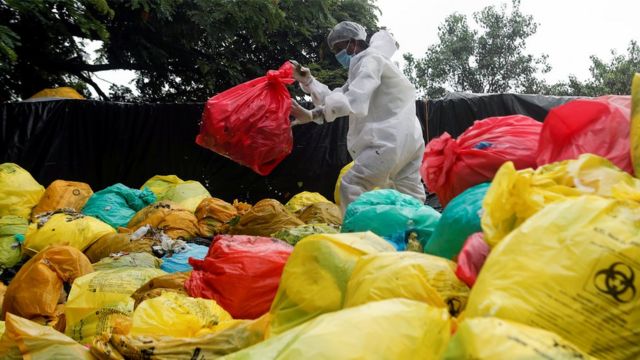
(301, 73)
(304, 116)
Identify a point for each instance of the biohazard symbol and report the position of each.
(617, 282)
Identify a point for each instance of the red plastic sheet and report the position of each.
(472, 257)
(451, 166)
(241, 273)
(250, 123)
(598, 126)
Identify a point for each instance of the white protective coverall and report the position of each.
(385, 137)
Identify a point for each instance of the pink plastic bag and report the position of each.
(471, 258)
(598, 126)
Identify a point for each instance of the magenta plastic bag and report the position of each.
(470, 260)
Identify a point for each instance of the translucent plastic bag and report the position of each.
(177, 315)
(241, 273)
(495, 339)
(250, 123)
(514, 196)
(19, 191)
(572, 268)
(315, 277)
(597, 126)
(62, 194)
(450, 166)
(392, 215)
(407, 275)
(387, 329)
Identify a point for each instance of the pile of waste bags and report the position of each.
(536, 255)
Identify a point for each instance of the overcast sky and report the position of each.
(569, 30)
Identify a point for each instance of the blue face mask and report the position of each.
(343, 58)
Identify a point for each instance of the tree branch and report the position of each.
(95, 86)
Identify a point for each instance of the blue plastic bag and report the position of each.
(460, 218)
(117, 204)
(391, 215)
(179, 262)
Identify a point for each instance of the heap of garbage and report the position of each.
(535, 256)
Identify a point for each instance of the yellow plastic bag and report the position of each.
(314, 280)
(388, 329)
(11, 228)
(100, 302)
(26, 339)
(514, 196)
(59, 92)
(408, 275)
(302, 200)
(71, 229)
(635, 124)
(187, 194)
(19, 192)
(495, 339)
(572, 269)
(177, 315)
(235, 336)
(62, 194)
(336, 191)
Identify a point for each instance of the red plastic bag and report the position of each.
(471, 258)
(450, 166)
(249, 123)
(241, 273)
(598, 126)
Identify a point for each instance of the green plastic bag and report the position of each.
(117, 204)
(460, 218)
(12, 228)
(391, 215)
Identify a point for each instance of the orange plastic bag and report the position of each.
(63, 195)
(36, 290)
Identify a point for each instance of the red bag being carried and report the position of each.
(450, 166)
(241, 273)
(250, 123)
(598, 126)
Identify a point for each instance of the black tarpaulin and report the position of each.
(103, 143)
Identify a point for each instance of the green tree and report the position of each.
(612, 78)
(489, 60)
(180, 50)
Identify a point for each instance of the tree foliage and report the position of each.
(612, 78)
(491, 59)
(180, 50)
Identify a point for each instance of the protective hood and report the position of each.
(383, 42)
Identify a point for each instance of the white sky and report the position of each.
(569, 31)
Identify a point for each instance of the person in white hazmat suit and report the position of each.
(385, 137)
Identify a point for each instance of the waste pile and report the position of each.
(536, 255)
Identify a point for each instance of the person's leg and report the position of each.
(371, 169)
(407, 180)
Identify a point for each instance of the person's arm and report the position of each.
(355, 100)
